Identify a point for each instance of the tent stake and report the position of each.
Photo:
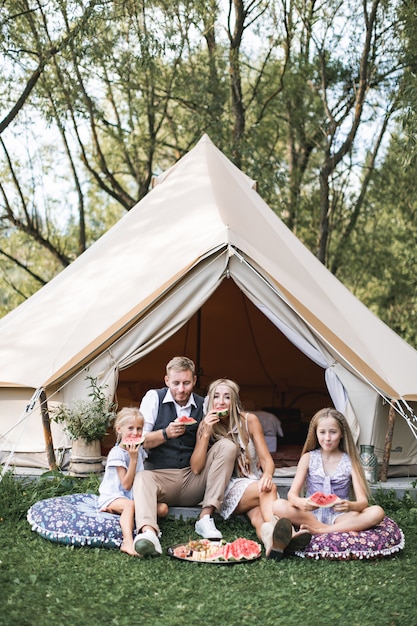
(46, 423)
(388, 443)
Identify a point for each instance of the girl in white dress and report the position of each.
(123, 462)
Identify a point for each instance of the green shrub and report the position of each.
(18, 494)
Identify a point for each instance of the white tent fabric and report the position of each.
(201, 225)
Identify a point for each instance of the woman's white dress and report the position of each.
(238, 485)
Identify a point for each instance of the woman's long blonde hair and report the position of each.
(235, 428)
(346, 443)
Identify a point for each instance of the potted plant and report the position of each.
(86, 422)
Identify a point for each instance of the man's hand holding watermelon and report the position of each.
(175, 429)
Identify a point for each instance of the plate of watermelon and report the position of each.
(323, 500)
(184, 419)
(132, 439)
(240, 550)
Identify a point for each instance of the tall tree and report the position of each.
(299, 94)
(408, 85)
(382, 255)
(15, 25)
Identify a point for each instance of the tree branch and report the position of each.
(49, 54)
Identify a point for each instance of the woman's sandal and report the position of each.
(281, 537)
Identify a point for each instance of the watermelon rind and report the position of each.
(139, 440)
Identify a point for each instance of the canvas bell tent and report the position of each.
(203, 267)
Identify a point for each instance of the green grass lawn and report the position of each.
(48, 584)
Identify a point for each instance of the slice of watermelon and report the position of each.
(323, 500)
(239, 550)
(182, 551)
(223, 413)
(245, 549)
(184, 419)
(132, 439)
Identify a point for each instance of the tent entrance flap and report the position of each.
(275, 308)
(237, 341)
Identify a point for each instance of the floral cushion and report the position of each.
(382, 540)
(75, 520)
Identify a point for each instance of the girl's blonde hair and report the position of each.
(126, 414)
(346, 443)
(234, 429)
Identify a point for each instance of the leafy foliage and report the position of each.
(17, 494)
(124, 89)
(379, 266)
(86, 419)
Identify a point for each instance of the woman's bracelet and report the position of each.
(165, 434)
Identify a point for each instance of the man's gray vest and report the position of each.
(174, 453)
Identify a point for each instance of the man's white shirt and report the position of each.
(150, 405)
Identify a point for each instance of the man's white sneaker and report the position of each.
(147, 544)
(206, 528)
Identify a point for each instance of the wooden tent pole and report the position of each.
(388, 443)
(46, 423)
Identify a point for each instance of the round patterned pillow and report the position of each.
(75, 520)
(382, 540)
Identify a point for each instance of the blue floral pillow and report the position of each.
(75, 520)
(382, 540)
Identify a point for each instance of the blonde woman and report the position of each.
(251, 489)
